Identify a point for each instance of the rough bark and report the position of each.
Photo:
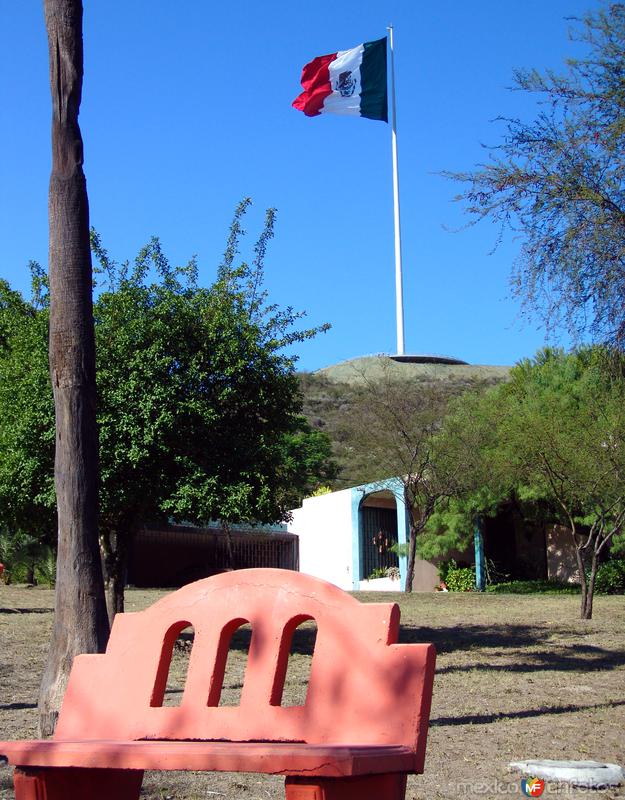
(412, 556)
(409, 503)
(225, 526)
(80, 621)
(114, 548)
(588, 596)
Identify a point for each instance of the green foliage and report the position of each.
(382, 424)
(611, 577)
(457, 579)
(384, 572)
(443, 569)
(391, 432)
(559, 181)
(466, 448)
(198, 404)
(533, 587)
(378, 572)
(45, 569)
(26, 418)
(552, 439)
(320, 490)
(26, 558)
(27, 513)
(617, 548)
(450, 527)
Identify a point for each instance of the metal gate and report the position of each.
(378, 533)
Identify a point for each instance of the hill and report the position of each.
(357, 370)
(332, 394)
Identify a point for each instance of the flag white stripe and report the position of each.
(345, 61)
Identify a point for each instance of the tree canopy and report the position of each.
(553, 437)
(199, 410)
(559, 182)
(26, 419)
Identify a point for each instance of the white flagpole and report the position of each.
(399, 292)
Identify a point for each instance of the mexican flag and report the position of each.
(351, 82)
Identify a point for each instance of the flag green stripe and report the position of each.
(373, 99)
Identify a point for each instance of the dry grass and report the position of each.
(518, 677)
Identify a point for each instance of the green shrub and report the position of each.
(378, 572)
(26, 559)
(533, 587)
(611, 577)
(45, 570)
(443, 569)
(457, 579)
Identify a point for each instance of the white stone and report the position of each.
(592, 774)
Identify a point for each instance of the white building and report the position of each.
(346, 538)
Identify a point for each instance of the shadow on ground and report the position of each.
(486, 719)
(543, 654)
(26, 610)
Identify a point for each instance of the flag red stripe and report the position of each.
(316, 83)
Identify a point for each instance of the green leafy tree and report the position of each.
(553, 438)
(559, 181)
(199, 409)
(27, 434)
(467, 447)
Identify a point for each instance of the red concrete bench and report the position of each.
(361, 730)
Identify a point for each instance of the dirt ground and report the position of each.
(518, 677)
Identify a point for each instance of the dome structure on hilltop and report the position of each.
(411, 368)
(427, 358)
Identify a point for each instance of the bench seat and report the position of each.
(275, 758)
(360, 729)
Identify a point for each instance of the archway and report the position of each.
(378, 534)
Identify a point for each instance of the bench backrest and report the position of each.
(363, 687)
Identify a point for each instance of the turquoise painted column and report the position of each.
(357, 495)
(480, 566)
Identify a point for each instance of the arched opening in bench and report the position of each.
(295, 660)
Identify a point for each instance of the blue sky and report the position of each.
(187, 109)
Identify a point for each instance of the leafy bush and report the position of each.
(384, 572)
(443, 569)
(533, 587)
(378, 572)
(26, 559)
(461, 579)
(45, 570)
(457, 579)
(611, 577)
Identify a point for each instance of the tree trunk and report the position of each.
(225, 526)
(115, 591)
(586, 599)
(590, 588)
(409, 503)
(412, 556)
(115, 566)
(80, 621)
